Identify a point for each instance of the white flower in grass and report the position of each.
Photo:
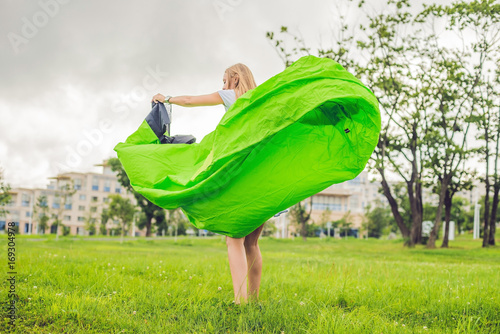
(64, 256)
(403, 325)
(168, 294)
(468, 303)
(295, 295)
(302, 303)
(25, 279)
(114, 292)
(34, 287)
(161, 261)
(185, 270)
(199, 284)
(425, 327)
(219, 288)
(163, 271)
(133, 312)
(30, 274)
(109, 264)
(123, 268)
(160, 274)
(29, 298)
(147, 267)
(190, 277)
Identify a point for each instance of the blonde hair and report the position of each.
(241, 75)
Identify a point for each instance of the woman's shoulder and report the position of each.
(228, 96)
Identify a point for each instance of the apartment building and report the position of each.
(90, 197)
(350, 197)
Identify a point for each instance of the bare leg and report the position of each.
(238, 266)
(254, 262)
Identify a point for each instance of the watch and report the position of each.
(166, 99)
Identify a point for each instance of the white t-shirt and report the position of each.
(228, 96)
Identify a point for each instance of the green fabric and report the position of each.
(278, 144)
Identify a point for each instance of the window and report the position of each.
(118, 190)
(13, 200)
(2, 225)
(83, 197)
(56, 203)
(26, 228)
(78, 184)
(321, 202)
(107, 185)
(81, 208)
(69, 203)
(67, 217)
(28, 214)
(105, 199)
(95, 198)
(354, 202)
(95, 183)
(25, 200)
(81, 219)
(93, 209)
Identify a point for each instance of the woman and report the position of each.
(243, 253)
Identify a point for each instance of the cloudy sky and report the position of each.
(77, 76)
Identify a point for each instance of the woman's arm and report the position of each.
(191, 101)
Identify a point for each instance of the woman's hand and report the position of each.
(158, 98)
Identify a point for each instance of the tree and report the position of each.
(123, 210)
(63, 196)
(300, 216)
(426, 94)
(42, 211)
(104, 221)
(378, 218)
(4, 195)
(146, 206)
(465, 90)
(89, 222)
(344, 223)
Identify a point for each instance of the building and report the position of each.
(85, 205)
(348, 199)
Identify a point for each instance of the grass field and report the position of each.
(317, 286)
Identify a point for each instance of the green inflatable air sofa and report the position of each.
(306, 128)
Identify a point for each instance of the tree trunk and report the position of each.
(303, 231)
(437, 223)
(447, 214)
(493, 217)
(419, 214)
(405, 232)
(149, 217)
(486, 236)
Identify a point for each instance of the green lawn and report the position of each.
(318, 286)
